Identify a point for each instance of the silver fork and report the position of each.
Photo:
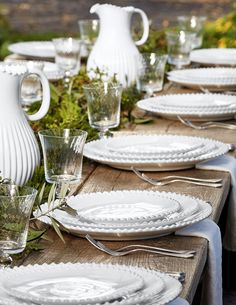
(205, 90)
(206, 125)
(180, 276)
(162, 182)
(142, 175)
(122, 251)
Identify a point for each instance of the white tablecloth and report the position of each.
(179, 301)
(212, 286)
(228, 164)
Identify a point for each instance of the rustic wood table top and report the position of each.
(98, 178)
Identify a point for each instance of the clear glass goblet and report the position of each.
(103, 101)
(16, 204)
(62, 155)
(67, 56)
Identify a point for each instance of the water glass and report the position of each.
(15, 209)
(89, 29)
(63, 155)
(103, 102)
(31, 89)
(195, 25)
(179, 46)
(151, 74)
(67, 56)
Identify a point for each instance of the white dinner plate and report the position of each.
(195, 106)
(94, 150)
(98, 200)
(214, 56)
(158, 286)
(211, 78)
(193, 210)
(73, 284)
(38, 49)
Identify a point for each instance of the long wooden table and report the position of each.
(98, 178)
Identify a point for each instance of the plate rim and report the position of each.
(14, 48)
(145, 104)
(201, 52)
(171, 290)
(99, 267)
(156, 164)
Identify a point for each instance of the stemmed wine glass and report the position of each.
(63, 156)
(151, 73)
(89, 29)
(179, 47)
(16, 204)
(194, 24)
(67, 56)
(103, 100)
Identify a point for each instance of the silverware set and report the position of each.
(139, 248)
(206, 125)
(205, 90)
(172, 179)
(180, 276)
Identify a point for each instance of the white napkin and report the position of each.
(179, 301)
(212, 286)
(228, 164)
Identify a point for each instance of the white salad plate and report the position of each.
(191, 210)
(207, 149)
(123, 206)
(215, 78)
(148, 146)
(214, 56)
(38, 49)
(195, 106)
(157, 286)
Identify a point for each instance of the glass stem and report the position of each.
(105, 133)
(66, 79)
(60, 190)
(5, 260)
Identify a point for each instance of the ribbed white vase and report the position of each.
(19, 150)
(115, 53)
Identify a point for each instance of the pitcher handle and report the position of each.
(145, 26)
(46, 95)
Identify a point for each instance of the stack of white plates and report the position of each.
(194, 106)
(154, 152)
(128, 215)
(214, 56)
(215, 78)
(82, 284)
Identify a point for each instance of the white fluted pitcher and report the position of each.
(19, 150)
(115, 51)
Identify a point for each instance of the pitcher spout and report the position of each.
(94, 8)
